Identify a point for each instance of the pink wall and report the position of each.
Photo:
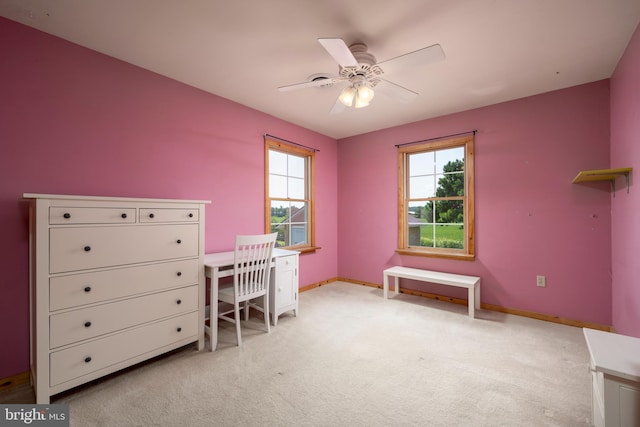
(530, 219)
(625, 208)
(73, 121)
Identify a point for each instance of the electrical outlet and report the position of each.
(541, 281)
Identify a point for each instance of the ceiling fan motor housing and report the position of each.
(366, 69)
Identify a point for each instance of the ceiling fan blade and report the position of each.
(422, 56)
(340, 52)
(337, 108)
(395, 91)
(312, 83)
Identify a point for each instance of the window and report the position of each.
(435, 201)
(289, 195)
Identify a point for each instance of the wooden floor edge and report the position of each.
(491, 307)
(317, 285)
(14, 380)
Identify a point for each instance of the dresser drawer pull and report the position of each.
(179, 329)
(87, 288)
(151, 215)
(87, 359)
(124, 215)
(179, 273)
(87, 324)
(190, 215)
(67, 215)
(87, 248)
(179, 302)
(178, 241)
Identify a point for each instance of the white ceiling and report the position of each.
(242, 50)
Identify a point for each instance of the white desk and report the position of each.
(220, 264)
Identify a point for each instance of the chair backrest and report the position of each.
(252, 264)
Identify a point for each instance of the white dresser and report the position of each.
(113, 282)
(615, 376)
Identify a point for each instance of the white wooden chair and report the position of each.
(252, 269)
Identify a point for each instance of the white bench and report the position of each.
(472, 283)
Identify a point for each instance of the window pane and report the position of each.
(449, 211)
(454, 157)
(290, 221)
(277, 162)
(422, 211)
(296, 166)
(421, 164)
(421, 187)
(277, 186)
(296, 188)
(436, 235)
(298, 234)
(279, 212)
(449, 236)
(283, 233)
(450, 185)
(419, 216)
(298, 212)
(299, 224)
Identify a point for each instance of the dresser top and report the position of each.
(614, 354)
(101, 198)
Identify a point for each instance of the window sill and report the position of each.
(448, 255)
(302, 249)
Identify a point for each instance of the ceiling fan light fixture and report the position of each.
(360, 103)
(347, 96)
(364, 93)
(357, 95)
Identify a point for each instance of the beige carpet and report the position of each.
(353, 359)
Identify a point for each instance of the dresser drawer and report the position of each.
(77, 215)
(168, 215)
(73, 249)
(83, 359)
(86, 288)
(73, 326)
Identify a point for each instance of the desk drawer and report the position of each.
(86, 288)
(86, 358)
(73, 326)
(77, 215)
(75, 249)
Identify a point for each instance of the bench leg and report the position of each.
(472, 302)
(477, 286)
(385, 285)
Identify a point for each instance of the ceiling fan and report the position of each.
(361, 72)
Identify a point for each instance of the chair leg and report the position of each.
(237, 318)
(266, 312)
(246, 310)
